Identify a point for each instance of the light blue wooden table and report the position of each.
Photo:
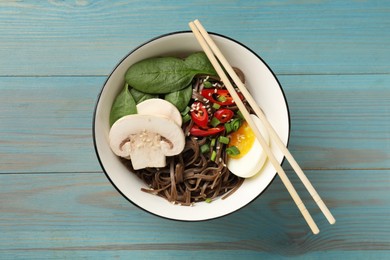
(332, 59)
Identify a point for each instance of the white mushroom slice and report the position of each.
(146, 139)
(158, 106)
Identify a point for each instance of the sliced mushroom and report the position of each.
(158, 106)
(146, 139)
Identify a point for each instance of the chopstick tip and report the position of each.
(191, 25)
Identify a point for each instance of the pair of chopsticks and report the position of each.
(212, 52)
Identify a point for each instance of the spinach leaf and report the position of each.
(163, 75)
(198, 61)
(141, 96)
(124, 104)
(180, 98)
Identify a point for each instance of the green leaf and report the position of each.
(180, 98)
(163, 75)
(124, 104)
(141, 96)
(200, 63)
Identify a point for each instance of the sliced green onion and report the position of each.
(213, 155)
(236, 123)
(214, 122)
(207, 84)
(228, 127)
(212, 143)
(216, 106)
(221, 98)
(239, 114)
(208, 200)
(232, 150)
(186, 118)
(205, 148)
(185, 111)
(232, 125)
(224, 139)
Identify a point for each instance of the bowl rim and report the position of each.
(109, 76)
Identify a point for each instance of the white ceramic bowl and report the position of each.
(260, 81)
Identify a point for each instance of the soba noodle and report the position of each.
(192, 176)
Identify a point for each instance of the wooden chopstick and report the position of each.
(290, 188)
(274, 136)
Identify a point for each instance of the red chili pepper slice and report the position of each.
(219, 96)
(197, 131)
(199, 114)
(224, 115)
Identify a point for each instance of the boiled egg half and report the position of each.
(252, 157)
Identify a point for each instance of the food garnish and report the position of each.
(179, 140)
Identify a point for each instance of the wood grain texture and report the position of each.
(340, 122)
(299, 37)
(46, 123)
(85, 215)
(332, 59)
(337, 122)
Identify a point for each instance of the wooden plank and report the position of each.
(294, 37)
(337, 122)
(45, 124)
(341, 121)
(332, 58)
(78, 215)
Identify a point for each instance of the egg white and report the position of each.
(252, 162)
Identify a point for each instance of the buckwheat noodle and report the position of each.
(191, 176)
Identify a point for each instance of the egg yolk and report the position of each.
(243, 139)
